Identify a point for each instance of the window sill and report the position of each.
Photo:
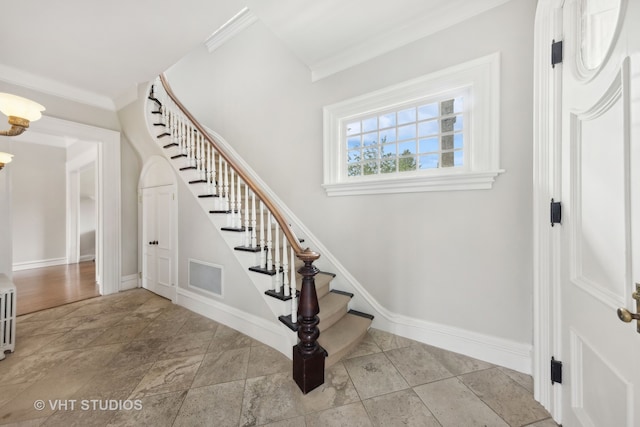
(413, 184)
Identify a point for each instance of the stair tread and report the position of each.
(343, 336)
(331, 305)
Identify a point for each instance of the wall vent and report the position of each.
(206, 277)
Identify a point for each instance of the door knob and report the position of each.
(626, 316)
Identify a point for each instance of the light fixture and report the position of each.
(20, 111)
(4, 159)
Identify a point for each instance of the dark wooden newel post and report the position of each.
(308, 356)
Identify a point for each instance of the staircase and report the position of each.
(280, 268)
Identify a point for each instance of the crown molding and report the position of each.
(45, 85)
(230, 29)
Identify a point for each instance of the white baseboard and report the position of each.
(129, 282)
(28, 265)
(276, 336)
(89, 257)
(498, 351)
(491, 349)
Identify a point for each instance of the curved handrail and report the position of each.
(303, 253)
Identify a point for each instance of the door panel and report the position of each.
(600, 236)
(599, 189)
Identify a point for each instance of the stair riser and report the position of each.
(326, 323)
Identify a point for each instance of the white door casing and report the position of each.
(588, 157)
(108, 197)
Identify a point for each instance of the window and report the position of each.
(437, 132)
(426, 135)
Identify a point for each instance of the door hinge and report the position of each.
(556, 212)
(556, 371)
(556, 53)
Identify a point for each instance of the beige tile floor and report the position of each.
(135, 359)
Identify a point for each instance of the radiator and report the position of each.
(7, 316)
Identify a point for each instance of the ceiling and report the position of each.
(97, 52)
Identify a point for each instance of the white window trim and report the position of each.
(482, 75)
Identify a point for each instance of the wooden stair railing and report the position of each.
(308, 355)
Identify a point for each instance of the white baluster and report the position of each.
(262, 248)
(196, 149)
(176, 132)
(225, 204)
(185, 136)
(294, 299)
(232, 203)
(277, 258)
(182, 136)
(238, 217)
(211, 169)
(163, 110)
(247, 228)
(192, 144)
(168, 120)
(220, 191)
(203, 159)
(285, 266)
(175, 135)
(254, 243)
(269, 264)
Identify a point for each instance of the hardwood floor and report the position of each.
(41, 288)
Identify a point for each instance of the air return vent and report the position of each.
(205, 276)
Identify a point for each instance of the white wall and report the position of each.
(6, 236)
(460, 259)
(87, 213)
(130, 168)
(38, 203)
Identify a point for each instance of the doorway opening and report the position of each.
(91, 210)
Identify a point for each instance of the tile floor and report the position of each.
(135, 359)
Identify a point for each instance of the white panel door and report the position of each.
(599, 264)
(164, 242)
(148, 235)
(158, 240)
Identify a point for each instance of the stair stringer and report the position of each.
(268, 331)
(362, 300)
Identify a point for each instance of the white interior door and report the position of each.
(158, 240)
(599, 263)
